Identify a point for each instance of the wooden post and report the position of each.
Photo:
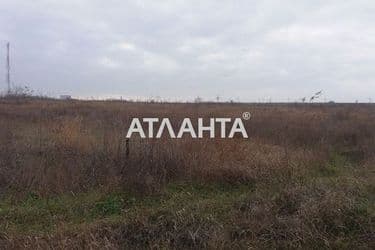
(127, 148)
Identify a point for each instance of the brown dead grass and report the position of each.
(50, 148)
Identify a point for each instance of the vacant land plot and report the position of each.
(303, 179)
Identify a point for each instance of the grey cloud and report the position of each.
(181, 49)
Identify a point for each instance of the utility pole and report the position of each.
(8, 68)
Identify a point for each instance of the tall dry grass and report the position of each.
(307, 169)
(50, 147)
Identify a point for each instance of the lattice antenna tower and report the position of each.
(8, 67)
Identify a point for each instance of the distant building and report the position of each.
(65, 97)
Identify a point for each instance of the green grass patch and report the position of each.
(34, 214)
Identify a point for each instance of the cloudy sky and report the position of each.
(242, 50)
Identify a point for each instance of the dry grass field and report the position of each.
(69, 180)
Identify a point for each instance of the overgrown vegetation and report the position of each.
(68, 178)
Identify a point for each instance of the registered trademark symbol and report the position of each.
(246, 115)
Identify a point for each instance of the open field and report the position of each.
(303, 179)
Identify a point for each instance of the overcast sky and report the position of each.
(241, 50)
